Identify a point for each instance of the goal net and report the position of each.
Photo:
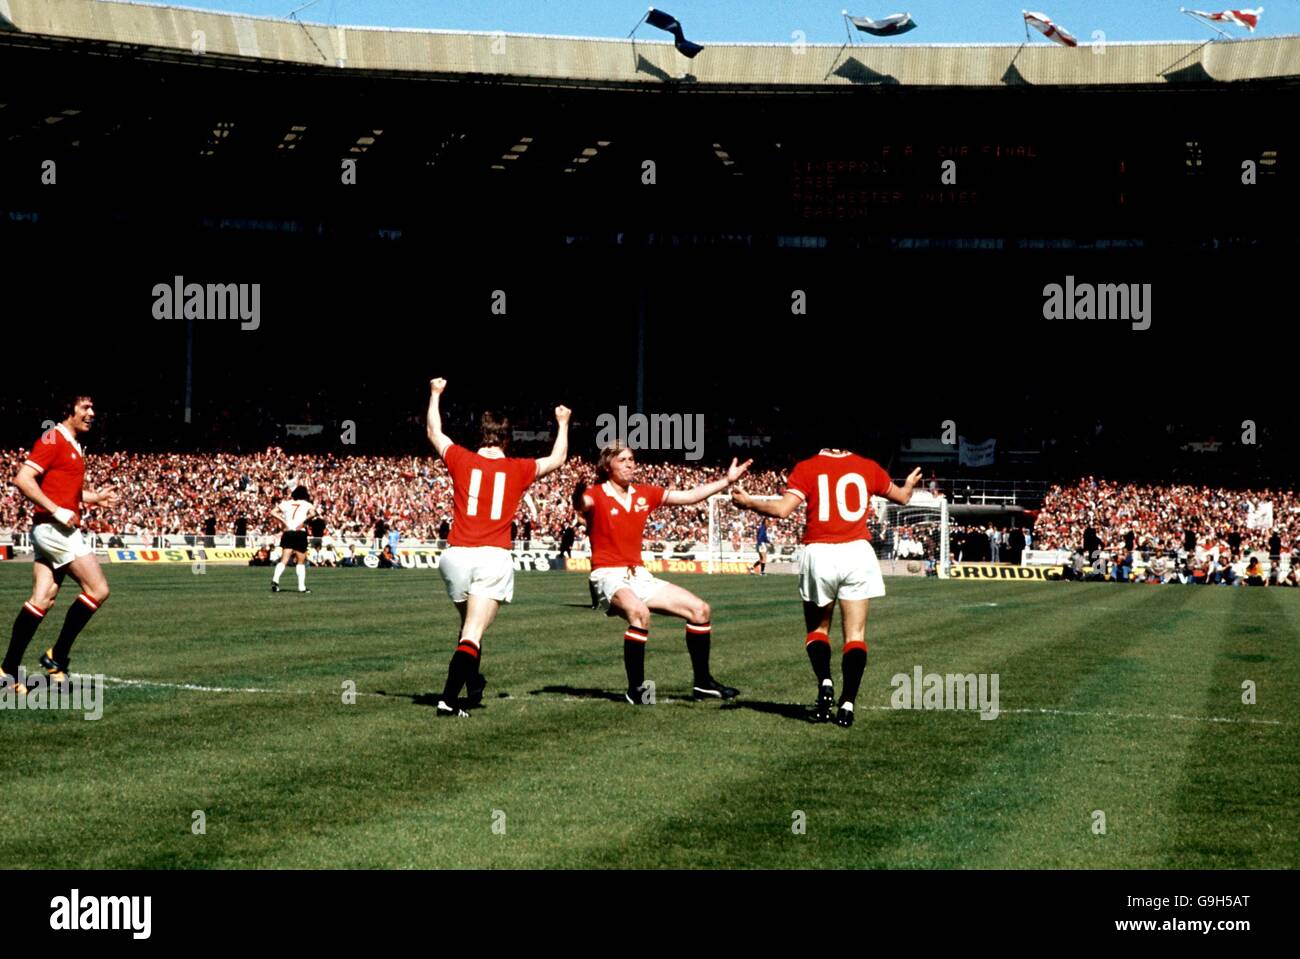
(917, 531)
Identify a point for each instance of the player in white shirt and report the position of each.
(293, 513)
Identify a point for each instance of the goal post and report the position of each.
(722, 517)
(917, 531)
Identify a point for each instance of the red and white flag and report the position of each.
(1242, 18)
(1044, 25)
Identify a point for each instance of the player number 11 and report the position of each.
(498, 493)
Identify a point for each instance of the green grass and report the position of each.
(299, 779)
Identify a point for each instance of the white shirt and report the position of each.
(295, 513)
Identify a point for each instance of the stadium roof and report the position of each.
(229, 39)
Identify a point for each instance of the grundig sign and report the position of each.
(988, 571)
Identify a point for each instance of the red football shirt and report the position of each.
(837, 488)
(60, 471)
(485, 495)
(616, 524)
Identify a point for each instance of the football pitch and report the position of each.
(1122, 740)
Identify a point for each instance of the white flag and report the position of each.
(1261, 517)
(975, 454)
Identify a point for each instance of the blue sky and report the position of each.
(939, 21)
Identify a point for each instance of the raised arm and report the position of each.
(560, 451)
(433, 422)
(903, 495)
(689, 497)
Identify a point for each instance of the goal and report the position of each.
(917, 531)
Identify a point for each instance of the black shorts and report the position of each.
(295, 540)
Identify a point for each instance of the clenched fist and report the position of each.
(562, 414)
(437, 385)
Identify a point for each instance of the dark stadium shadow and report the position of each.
(645, 66)
(1192, 73)
(855, 71)
(584, 693)
(784, 710)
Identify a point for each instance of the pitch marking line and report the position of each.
(1041, 711)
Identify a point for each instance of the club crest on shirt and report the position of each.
(641, 506)
(613, 511)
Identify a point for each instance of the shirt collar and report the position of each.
(491, 453)
(68, 435)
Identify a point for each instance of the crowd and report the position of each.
(359, 498)
(1163, 519)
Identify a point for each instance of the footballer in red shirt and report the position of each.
(616, 511)
(52, 477)
(477, 567)
(838, 563)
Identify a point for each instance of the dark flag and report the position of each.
(664, 21)
(891, 25)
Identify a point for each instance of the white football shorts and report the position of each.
(610, 579)
(58, 545)
(478, 571)
(831, 571)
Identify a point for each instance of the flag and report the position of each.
(1261, 517)
(975, 454)
(1242, 18)
(891, 25)
(1044, 25)
(664, 21)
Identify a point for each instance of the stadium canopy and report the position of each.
(227, 39)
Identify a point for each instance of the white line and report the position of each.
(1041, 711)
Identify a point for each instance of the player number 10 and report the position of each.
(498, 493)
(824, 497)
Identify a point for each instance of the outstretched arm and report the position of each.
(780, 508)
(560, 451)
(689, 497)
(433, 422)
(903, 495)
(105, 496)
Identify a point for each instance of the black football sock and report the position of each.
(29, 617)
(852, 664)
(698, 640)
(595, 594)
(634, 640)
(464, 664)
(818, 647)
(76, 620)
